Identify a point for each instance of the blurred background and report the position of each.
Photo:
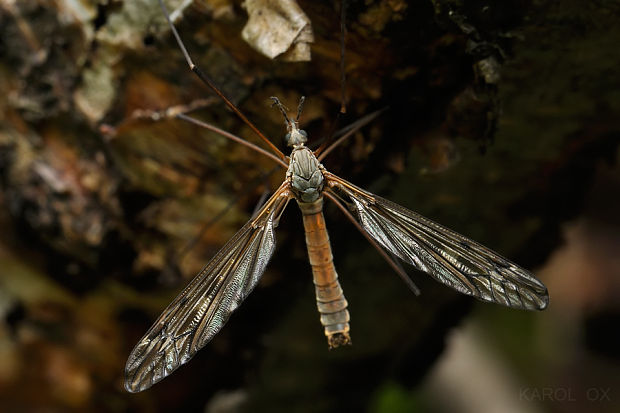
(501, 121)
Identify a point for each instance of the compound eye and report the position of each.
(287, 137)
(303, 133)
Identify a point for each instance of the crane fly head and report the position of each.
(294, 135)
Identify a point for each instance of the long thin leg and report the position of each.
(343, 81)
(188, 247)
(325, 141)
(207, 81)
(232, 137)
(343, 76)
(174, 111)
(395, 265)
(180, 112)
(354, 127)
(263, 197)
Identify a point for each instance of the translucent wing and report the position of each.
(200, 311)
(447, 256)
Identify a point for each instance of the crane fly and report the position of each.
(204, 306)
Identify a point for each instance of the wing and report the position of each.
(447, 256)
(200, 311)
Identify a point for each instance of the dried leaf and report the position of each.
(278, 28)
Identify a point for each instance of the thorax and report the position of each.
(306, 175)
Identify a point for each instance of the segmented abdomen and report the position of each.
(329, 296)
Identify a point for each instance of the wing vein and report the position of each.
(204, 306)
(447, 256)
